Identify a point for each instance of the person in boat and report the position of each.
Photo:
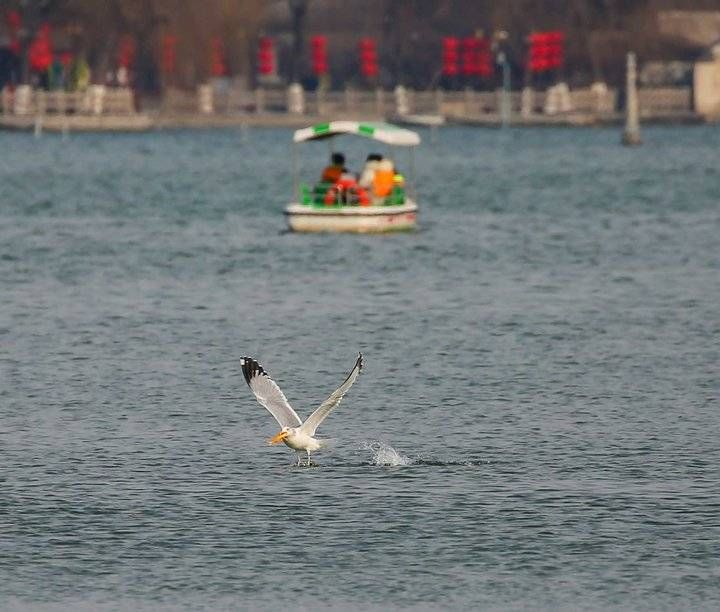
(383, 180)
(347, 184)
(348, 176)
(398, 191)
(333, 172)
(368, 173)
(347, 191)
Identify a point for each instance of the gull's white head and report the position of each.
(284, 433)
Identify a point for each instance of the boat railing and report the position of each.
(332, 194)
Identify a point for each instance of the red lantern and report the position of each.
(318, 46)
(126, 52)
(556, 43)
(217, 58)
(470, 47)
(546, 51)
(368, 58)
(13, 20)
(450, 56)
(266, 56)
(536, 52)
(169, 53)
(40, 54)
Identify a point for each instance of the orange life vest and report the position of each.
(383, 182)
(332, 174)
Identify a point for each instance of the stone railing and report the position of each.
(95, 100)
(665, 100)
(596, 100)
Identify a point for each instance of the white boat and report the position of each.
(325, 208)
(430, 121)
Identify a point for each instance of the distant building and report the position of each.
(693, 35)
(706, 82)
(666, 74)
(696, 28)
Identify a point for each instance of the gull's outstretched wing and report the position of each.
(268, 393)
(317, 417)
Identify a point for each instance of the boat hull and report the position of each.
(352, 219)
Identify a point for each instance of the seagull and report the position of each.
(294, 433)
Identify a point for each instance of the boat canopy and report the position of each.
(384, 132)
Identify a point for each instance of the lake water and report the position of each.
(536, 426)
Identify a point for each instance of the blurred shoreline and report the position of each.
(140, 122)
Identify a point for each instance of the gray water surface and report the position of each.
(536, 426)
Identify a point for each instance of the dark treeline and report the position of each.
(408, 34)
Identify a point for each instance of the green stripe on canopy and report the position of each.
(383, 132)
(321, 128)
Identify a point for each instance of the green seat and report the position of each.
(319, 193)
(397, 196)
(305, 195)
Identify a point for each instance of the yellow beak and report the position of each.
(278, 438)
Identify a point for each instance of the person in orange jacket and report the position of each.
(383, 181)
(333, 172)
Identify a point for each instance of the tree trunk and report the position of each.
(298, 9)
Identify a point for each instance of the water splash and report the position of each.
(386, 455)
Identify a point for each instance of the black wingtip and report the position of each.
(245, 366)
(251, 368)
(360, 361)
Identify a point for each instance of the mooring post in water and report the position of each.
(505, 100)
(631, 135)
(40, 106)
